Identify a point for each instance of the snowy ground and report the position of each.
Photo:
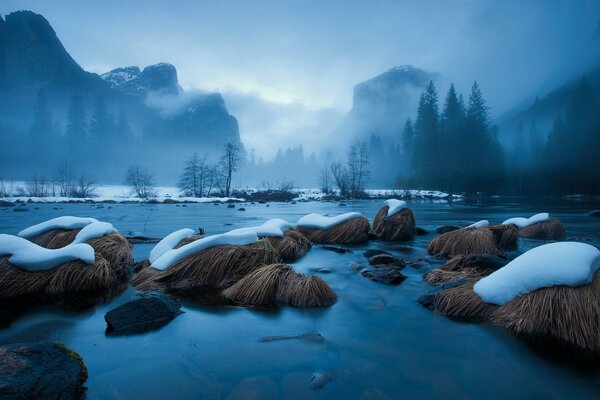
(122, 194)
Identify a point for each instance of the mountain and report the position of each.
(142, 116)
(159, 78)
(382, 104)
(543, 110)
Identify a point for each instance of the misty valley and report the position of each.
(246, 200)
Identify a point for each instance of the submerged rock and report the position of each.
(383, 259)
(148, 312)
(307, 337)
(21, 207)
(421, 231)
(446, 228)
(319, 380)
(427, 300)
(374, 252)
(341, 250)
(386, 274)
(41, 370)
(595, 213)
(4, 203)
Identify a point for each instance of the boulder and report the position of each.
(148, 312)
(383, 259)
(41, 370)
(420, 231)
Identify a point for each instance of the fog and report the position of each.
(287, 69)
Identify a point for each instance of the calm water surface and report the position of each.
(380, 343)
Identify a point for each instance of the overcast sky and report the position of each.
(287, 68)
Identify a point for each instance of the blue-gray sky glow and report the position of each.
(294, 63)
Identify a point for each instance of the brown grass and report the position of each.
(506, 236)
(55, 238)
(440, 276)
(551, 229)
(461, 302)
(292, 246)
(112, 264)
(465, 242)
(400, 226)
(566, 315)
(280, 284)
(355, 230)
(213, 268)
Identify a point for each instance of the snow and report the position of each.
(65, 222)
(172, 256)
(272, 228)
(169, 242)
(562, 263)
(394, 206)
(479, 224)
(94, 230)
(30, 256)
(521, 222)
(319, 221)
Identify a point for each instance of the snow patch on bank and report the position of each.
(394, 206)
(272, 228)
(319, 221)
(521, 222)
(172, 256)
(562, 263)
(30, 256)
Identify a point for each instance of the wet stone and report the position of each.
(381, 259)
(373, 252)
(446, 228)
(387, 275)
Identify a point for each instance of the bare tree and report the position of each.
(83, 187)
(140, 181)
(193, 179)
(357, 168)
(6, 188)
(65, 180)
(230, 162)
(363, 172)
(325, 180)
(37, 186)
(212, 179)
(340, 177)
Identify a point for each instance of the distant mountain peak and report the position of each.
(161, 78)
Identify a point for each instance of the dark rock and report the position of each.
(41, 371)
(341, 250)
(595, 213)
(356, 267)
(446, 228)
(318, 380)
(241, 209)
(230, 205)
(383, 259)
(20, 208)
(373, 252)
(307, 337)
(141, 239)
(148, 312)
(169, 201)
(4, 203)
(421, 231)
(342, 205)
(387, 275)
(485, 262)
(427, 300)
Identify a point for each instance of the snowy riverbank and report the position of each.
(170, 194)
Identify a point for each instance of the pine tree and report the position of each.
(101, 126)
(452, 125)
(427, 146)
(41, 131)
(76, 131)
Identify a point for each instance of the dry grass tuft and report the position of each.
(569, 316)
(55, 238)
(355, 230)
(440, 276)
(506, 236)
(213, 268)
(280, 284)
(551, 229)
(292, 246)
(400, 226)
(461, 302)
(465, 242)
(112, 265)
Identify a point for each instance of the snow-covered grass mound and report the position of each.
(521, 222)
(342, 229)
(565, 263)
(394, 206)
